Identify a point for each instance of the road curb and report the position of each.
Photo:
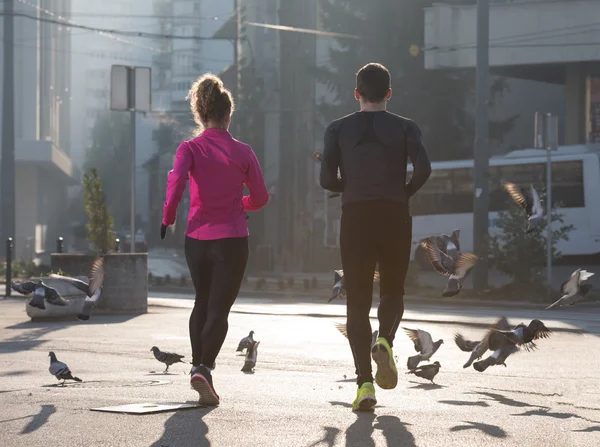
(453, 320)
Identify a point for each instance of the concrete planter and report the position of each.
(125, 284)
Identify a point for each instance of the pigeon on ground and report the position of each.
(491, 340)
(92, 290)
(342, 328)
(60, 370)
(168, 358)
(41, 292)
(573, 290)
(426, 371)
(529, 201)
(424, 345)
(523, 335)
(245, 342)
(251, 354)
(445, 265)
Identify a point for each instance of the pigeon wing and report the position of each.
(440, 261)
(464, 264)
(464, 344)
(77, 283)
(58, 368)
(96, 276)
(342, 328)
(539, 330)
(536, 203)
(516, 194)
(376, 277)
(584, 275)
(571, 286)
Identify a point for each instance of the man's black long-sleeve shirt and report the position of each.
(371, 150)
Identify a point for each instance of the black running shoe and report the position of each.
(201, 381)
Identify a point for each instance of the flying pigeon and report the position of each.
(251, 354)
(445, 265)
(342, 328)
(92, 290)
(41, 292)
(491, 340)
(524, 336)
(424, 345)
(529, 201)
(318, 157)
(168, 358)
(497, 358)
(338, 284)
(449, 245)
(245, 342)
(573, 290)
(60, 370)
(426, 371)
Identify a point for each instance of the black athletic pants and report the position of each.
(217, 269)
(371, 233)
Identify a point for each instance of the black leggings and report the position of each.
(371, 233)
(217, 269)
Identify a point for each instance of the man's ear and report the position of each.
(356, 94)
(389, 95)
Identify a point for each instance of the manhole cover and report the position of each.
(112, 384)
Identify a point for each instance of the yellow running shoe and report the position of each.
(365, 398)
(386, 376)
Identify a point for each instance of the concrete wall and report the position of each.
(125, 279)
(521, 33)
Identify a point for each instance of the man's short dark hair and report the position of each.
(373, 82)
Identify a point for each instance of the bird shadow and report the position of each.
(490, 430)
(426, 386)
(185, 428)
(249, 372)
(394, 431)
(503, 400)
(360, 432)
(154, 373)
(329, 437)
(464, 403)
(555, 415)
(13, 373)
(533, 393)
(588, 430)
(346, 381)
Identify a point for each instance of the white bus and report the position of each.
(445, 202)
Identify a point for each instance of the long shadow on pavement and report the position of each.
(35, 331)
(185, 428)
(464, 403)
(329, 437)
(503, 400)
(490, 430)
(394, 431)
(37, 420)
(360, 433)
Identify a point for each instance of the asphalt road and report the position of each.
(301, 391)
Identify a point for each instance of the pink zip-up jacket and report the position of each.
(218, 167)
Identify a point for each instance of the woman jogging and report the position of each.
(216, 243)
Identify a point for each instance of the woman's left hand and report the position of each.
(163, 231)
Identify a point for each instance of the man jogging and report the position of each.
(371, 148)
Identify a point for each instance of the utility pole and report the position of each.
(7, 168)
(236, 50)
(481, 197)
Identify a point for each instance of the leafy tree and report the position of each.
(110, 156)
(522, 256)
(100, 222)
(436, 99)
